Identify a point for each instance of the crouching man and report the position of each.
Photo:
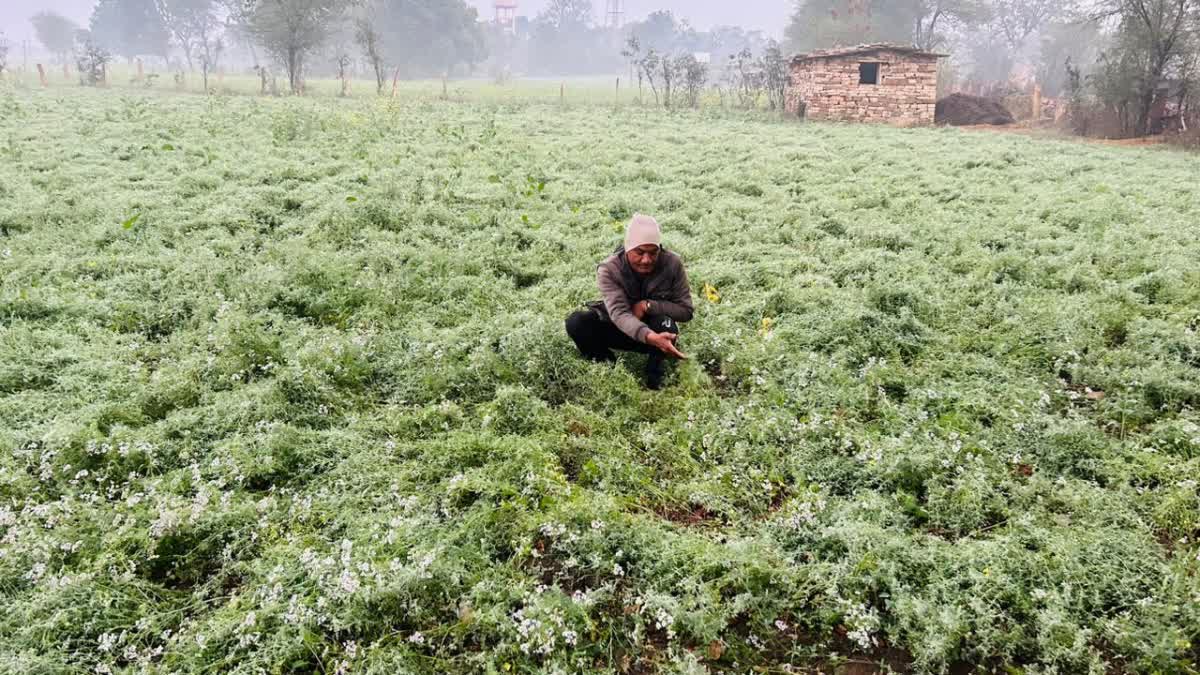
(645, 296)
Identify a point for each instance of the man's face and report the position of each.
(643, 258)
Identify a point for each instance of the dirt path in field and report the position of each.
(1050, 133)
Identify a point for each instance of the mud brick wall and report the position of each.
(830, 90)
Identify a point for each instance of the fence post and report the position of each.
(42, 75)
(562, 92)
(618, 99)
(1037, 103)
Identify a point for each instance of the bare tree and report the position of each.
(776, 75)
(632, 53)
(931, 16)
(342, 61)
(196, 27)
(1016, 20)
(91, 60)
(649, 66)
(694, 75)
(370, 41)
(744, 78)
(667, 71)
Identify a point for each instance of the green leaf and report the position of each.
(129, 223)
(351, 199)
(493, 178)
(168, 147)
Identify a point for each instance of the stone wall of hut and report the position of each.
(828, 88)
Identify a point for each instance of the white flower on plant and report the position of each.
(663, 620)
(617, 570)
(348, 582)
(36, 572)
(107, 642)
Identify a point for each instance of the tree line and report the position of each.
(415, 37)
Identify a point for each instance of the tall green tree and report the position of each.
(291, 30)
(566, 40)
(1060, 42)
(56, 33)
(428, 37)
(660, 31)
(820, 24)
(130, 28)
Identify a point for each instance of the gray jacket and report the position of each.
(666, 287)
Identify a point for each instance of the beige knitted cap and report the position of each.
(642, 230)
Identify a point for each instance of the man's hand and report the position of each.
(640, 309)
(665, 343)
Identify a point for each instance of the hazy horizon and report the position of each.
(769, 16)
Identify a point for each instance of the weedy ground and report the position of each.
(285, 388)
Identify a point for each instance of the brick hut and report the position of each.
(869, 83)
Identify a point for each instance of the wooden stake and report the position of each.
(141, 75)
(42, 75)
(395, 79)
(1037, 103)
(618, 99)
(562, 92)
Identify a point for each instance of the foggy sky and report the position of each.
(767, 15)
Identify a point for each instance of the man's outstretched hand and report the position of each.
(665, 343)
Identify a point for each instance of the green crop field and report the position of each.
(284, 388)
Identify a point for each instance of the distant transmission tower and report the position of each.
(614, 13)
(506, 15)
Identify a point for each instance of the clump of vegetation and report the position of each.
(91, 60)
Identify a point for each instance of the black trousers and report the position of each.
(596, 337)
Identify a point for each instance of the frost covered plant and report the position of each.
(803, 512)
(312, 407)
(862, 623)
(541, 626)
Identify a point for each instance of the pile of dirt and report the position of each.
(962, 110)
